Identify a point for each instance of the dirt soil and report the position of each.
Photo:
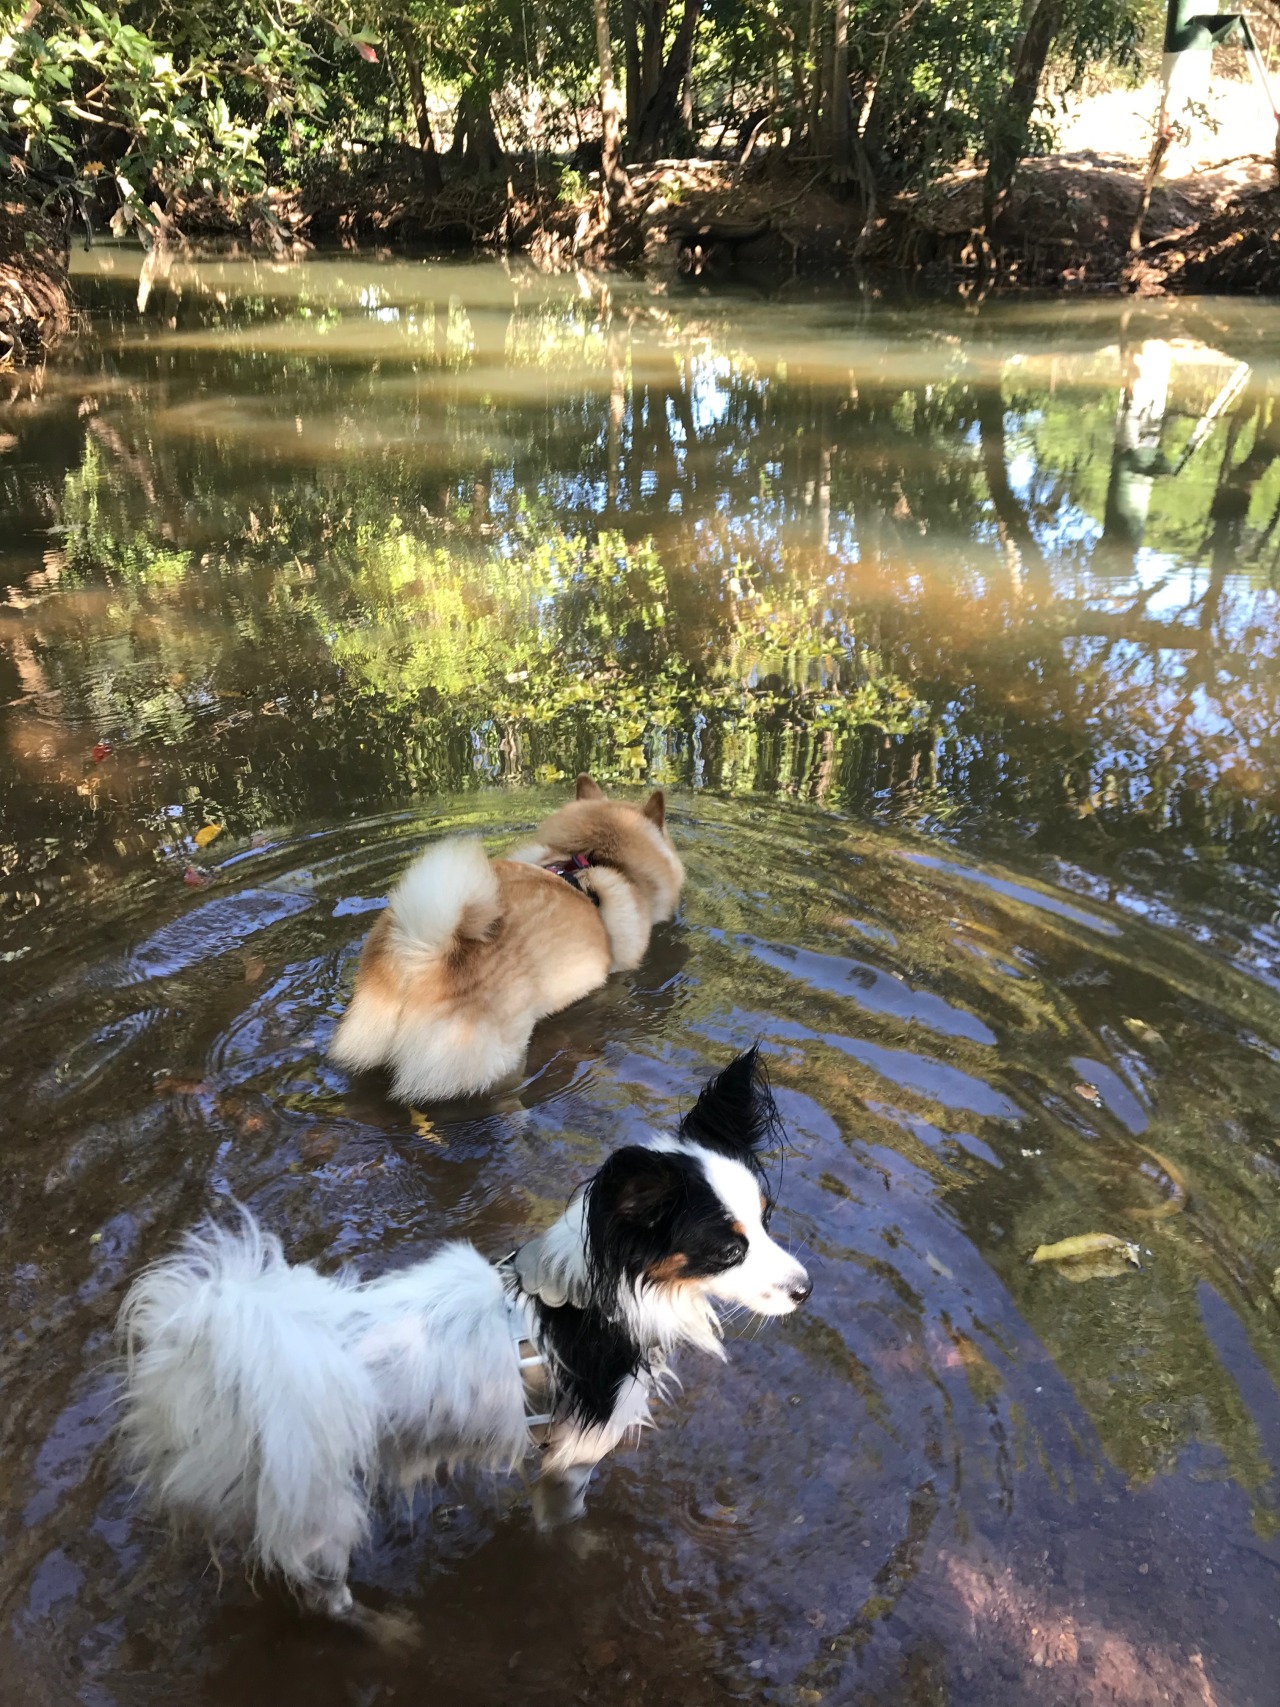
(1235, 251)
(1067, 225)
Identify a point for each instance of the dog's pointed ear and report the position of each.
(638, 1186)
(588, 788)
(655, 808)
(648, 1189)
(735, 1112)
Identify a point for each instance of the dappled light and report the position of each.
(953, 635)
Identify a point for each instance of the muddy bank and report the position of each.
(35, 298)
(1067, 224)
(1066, 227)
(1236, 252)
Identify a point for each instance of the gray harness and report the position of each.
(527, 1354)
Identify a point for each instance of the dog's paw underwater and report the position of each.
(471, 953)
(268, 1406)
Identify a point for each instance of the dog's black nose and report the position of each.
(800, 1290)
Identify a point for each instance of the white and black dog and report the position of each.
(271, 1405)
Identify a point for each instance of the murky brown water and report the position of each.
(955, 637)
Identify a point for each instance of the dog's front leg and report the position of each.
(392, 1630)
(560, 1495)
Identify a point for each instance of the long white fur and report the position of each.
(625, 923)
(435, 1056)
(268, 1404)
(428, 902)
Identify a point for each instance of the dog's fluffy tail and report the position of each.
(244, 1413)
(451, 892)
(449, 895)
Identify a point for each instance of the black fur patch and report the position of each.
(593, 1357)
(735, 1114)
(653, 1215)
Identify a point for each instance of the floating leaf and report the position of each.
(209, 833)
(1143, 1032)
(1176, 1196)
(1100, 1253)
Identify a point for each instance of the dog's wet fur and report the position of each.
(269, 1406)
(471, 953)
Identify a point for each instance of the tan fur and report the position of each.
(453, 1015)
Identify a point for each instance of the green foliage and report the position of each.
(122, 106)
(130, 112)
(573, 186)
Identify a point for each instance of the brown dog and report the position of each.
(471, 952)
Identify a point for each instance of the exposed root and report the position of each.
(35, 302)
(1235, 252)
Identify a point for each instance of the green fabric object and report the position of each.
(1189, 31)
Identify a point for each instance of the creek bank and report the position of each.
(1066, 227)
(36, 307)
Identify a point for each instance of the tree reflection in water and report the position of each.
(318, 543)
(864, 559)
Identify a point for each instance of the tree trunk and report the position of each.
(614, 188)
(817, 61)
(631, 61)
(1007, 137)
(644, 27)
(660, 121)
(429, 162)
(654, 13)
(475, 143)
(838, 116)
(799, 97)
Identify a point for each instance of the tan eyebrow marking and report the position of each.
(670, 1268)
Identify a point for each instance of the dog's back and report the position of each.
(468, 956)
(470, 953)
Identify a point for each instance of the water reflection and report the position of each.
(956, 637)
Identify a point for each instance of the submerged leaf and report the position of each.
(1176, 1198)
(1101, 1253)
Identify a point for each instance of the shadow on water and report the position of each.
(954, 637)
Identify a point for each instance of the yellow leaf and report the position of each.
(210, 833)
(1084, 1245)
